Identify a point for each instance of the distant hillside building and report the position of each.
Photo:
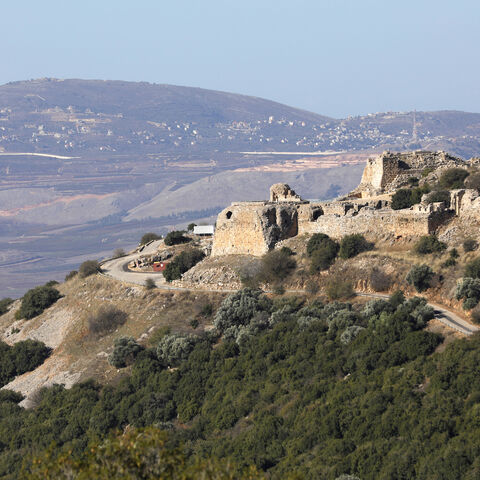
(204, 229)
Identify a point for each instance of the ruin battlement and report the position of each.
(254, 228)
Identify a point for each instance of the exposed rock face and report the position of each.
(253, 228)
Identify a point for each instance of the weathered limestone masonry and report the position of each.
(253, 228)
(389, 171)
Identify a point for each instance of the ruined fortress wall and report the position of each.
(253, 228)
(372, 223)
(239, 231)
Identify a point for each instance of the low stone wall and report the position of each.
(371, 222)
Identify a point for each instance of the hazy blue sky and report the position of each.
(334, 57)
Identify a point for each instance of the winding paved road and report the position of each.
(117, 268)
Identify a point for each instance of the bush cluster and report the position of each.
(175, 348)
(36, 300)
(176, 237)
(322, 251)
(181, 263)
(453, 178)
(22, 357)
(149, 237)
(89, 267)
(429, 244)
(439, 196)
(468, 290)
(352, 245)
(420, 276)
(276, 266)
(469, 245)
(125, 350)
(407, 197)
(107, 319)
(472, 269)
(4, 304)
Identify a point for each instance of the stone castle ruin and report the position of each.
(253, 228)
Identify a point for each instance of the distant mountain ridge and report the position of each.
(97, 117)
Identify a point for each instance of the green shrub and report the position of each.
(107, 319)
(149, 237)
(36, 300)
(4, 304)
(429, 244)
(339, 288)
(150, 284)
(176, 237)
(51, 283)
(352, 245)
(469, 245)
(71, 275)
(472, 269)
(287, 251)
(242, 314)
(420, 277)
(468, 290)
(276, 266)
(407, 197)
(439, 196)
(323, 258)
(318, 241)
(413, 181)
(402, 199)
(194, 323)
(174, 348)
(453, 178)
(191, 227)
(125, 350)
(181, 263)
(89, 267)
(22, 357)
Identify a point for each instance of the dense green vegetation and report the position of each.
(429, 244)
(453, 178)
(125, 350)
(20, 358)
(4, 304)
(181, 263)
(138, 454)
(406, 197)
(322, 251)
(149, 237)
(291, 386)
(439, 196)
(36, 300)
(420, 277)
(176, 237)
(352, 245)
